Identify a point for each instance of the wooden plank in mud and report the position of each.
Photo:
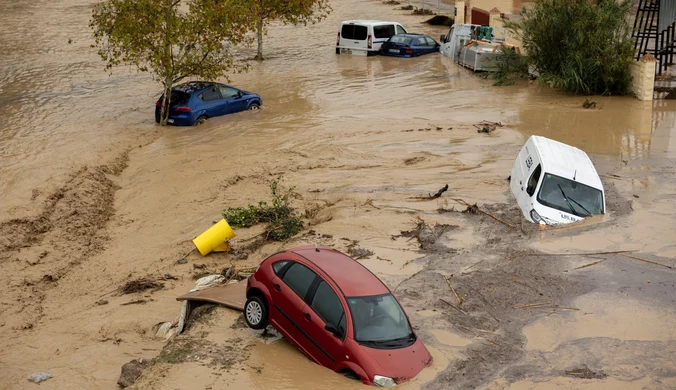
(229, 295)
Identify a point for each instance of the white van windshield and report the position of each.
(570, 196)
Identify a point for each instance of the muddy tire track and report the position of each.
(37, 251)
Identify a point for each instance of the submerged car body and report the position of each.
(409, 45)
(196, 101)
(555, 183)
(337, 313)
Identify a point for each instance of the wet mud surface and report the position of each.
(92, 204)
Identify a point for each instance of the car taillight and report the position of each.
(338, 39)
(409, 50)
(370, 42)
(183, 109)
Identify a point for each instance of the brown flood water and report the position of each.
(338, 127)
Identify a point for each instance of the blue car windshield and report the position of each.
(570, 196)
(380, 319)
(400, 40)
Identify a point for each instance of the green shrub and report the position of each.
(511, 67)
(280, 217)
(579, 46)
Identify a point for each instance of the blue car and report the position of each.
(409, 45)
(194, 102)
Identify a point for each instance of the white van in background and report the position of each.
(555, 183)
(364, 37)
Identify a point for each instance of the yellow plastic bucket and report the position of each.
(214, 238)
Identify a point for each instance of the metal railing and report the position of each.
(435, 5)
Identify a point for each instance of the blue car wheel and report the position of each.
(201, 120)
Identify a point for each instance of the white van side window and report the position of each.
(400, 30)
(352, 31)
(533, 181)
(385, 31)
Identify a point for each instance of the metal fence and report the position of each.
(438, 6)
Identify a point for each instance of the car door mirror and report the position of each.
(442, 39)
(332, 329)
(530, 190)
(239, 94)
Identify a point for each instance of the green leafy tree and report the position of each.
(579, 46)
(296, 12)
(170, 39)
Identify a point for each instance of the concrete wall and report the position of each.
(643, 74)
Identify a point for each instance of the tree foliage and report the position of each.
(170, 39)
(579, 46)
(296, 12)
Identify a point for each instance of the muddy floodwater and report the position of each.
(94, 194)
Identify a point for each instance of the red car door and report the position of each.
(325, 308)
(288, 293)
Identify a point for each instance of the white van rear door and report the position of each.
(353, 36)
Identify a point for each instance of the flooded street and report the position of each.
(94, 194)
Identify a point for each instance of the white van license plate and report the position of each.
(394, 50)
(345, 51)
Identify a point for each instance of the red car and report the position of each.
(336, 312)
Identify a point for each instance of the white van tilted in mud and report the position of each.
(364, 37)
(555, 183)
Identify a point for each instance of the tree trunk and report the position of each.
(259, 33)
(166, 102)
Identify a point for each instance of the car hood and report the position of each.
(401, 364)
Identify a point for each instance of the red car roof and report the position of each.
(352, 278)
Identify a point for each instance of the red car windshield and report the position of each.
(379, 321)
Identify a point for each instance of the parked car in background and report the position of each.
(364, 37)
(337, 313)
(409, 45)
(555, 183)
(196, 101)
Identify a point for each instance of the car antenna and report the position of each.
(575, 175)
(316, 247)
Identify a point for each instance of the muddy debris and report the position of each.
(406, 7)
(440, 20)
(414, 160)
(588, 104)
(423, 11)
(101, 302)
(487, 127)
(131, 371)
(358, 253)
(136, 302)
(240, 323)
(391, 2)
(139, 285)
(202, 313)
(585, 373)
(426, 235)
(182, 261)
(438, 193)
